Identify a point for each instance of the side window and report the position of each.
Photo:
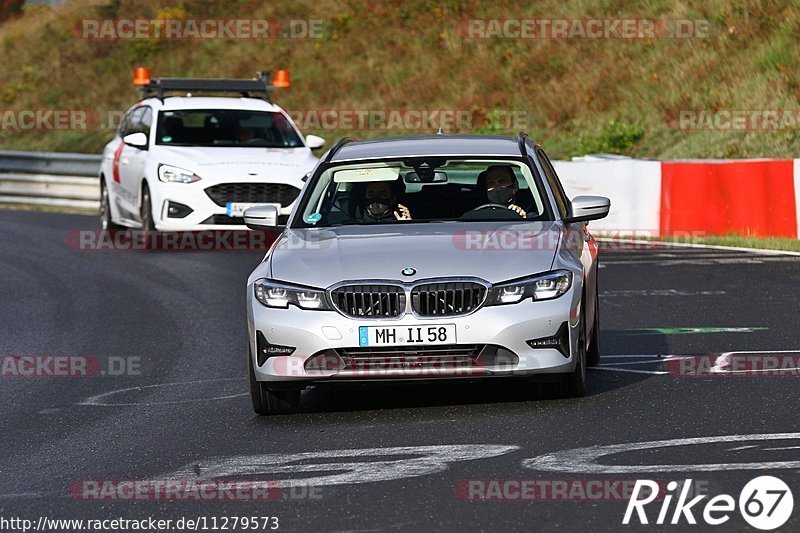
(124, 123)
(131, 124)
(558, 191)
(145, 122)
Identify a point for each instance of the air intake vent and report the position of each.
(447, 298)
(375, 301)
(267, 193)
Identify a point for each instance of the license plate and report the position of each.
(237, 209)
(404, 335)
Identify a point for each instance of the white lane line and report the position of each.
(631, 356)
(680, 356)
(647, 362)
(629, 370)
(761, 351)
(658, 292)
(749, 371)
(698, 262)
(585, 460)
(641, 256)
(98, 400)
(721, 366)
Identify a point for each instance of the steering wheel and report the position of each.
(489, 206)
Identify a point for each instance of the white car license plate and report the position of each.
(403, 335)
(236, 209)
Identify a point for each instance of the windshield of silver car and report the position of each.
(413, 191)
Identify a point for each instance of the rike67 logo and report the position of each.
(765, 503)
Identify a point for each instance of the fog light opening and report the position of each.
(176, 210)
(265, 350)
(559, 341)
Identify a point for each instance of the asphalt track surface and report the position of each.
(186, 411)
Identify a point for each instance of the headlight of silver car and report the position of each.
(172, 174)
(540, 287)
(277, 294)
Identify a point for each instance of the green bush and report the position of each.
(617, 137)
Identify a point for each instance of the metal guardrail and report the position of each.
(50, 179)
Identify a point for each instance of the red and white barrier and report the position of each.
(797, 193)
(759, 197)
(633, 185)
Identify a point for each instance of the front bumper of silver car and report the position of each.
(522, 339)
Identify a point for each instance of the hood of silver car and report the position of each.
(494, 251)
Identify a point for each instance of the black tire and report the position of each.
(106, 223)
(593, 351)
(270, 402)
(146, 211)
(573, 385)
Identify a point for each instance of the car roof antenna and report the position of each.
(440, 132)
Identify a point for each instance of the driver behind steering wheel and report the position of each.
(501, 187)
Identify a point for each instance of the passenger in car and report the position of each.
(380, 200)
(500, 184)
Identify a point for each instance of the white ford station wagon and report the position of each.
(188, 163)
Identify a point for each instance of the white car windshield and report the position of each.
(393, 192)
(225, 127)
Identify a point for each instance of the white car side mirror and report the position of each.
(314, 142)
(137, 140)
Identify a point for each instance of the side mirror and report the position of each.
(261, 217)
(586, 208)
(314, 142)
(137, 140)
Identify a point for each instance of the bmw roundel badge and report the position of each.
(408, 271)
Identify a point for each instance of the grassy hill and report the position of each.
(576, 96)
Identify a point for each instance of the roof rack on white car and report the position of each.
(259, 87)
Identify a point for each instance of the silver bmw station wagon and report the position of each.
(426, 257)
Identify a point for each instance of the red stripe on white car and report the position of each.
(115, 164)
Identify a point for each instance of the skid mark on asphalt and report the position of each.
(586, 460)
(354, 466)
(197, 393)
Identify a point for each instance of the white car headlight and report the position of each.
(276, 294)
(540, 287)
(168, 173)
